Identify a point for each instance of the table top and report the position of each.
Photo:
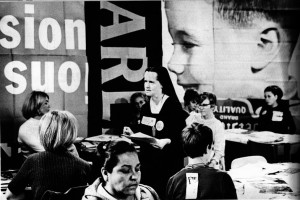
(242, 136)
(267, 181)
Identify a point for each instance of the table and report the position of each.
(87, 147)
(267, 181)
(242, 136)
(287, 146)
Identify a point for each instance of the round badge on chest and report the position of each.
(159, 125)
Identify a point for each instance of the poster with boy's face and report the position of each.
(234, 55)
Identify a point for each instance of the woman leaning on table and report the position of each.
(161, 117)
(275, 116)
(55, 168)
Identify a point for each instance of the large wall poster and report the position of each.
(234, 60)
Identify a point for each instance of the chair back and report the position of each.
(240, 162)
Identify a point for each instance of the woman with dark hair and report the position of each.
(137, 100)
(120, 176)
(274, 115)
(191, 100)
(162, 117)
(55, 168)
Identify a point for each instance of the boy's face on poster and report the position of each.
(213, 56)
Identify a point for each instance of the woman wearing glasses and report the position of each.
(207, 105)
(56, 168)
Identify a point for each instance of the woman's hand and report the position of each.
(127, 131)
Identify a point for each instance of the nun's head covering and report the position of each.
(165, 80)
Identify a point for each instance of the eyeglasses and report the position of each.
(204, 105)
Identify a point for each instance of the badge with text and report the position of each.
(191, 186)
(277, 116)
(149, 121)
(159, 125)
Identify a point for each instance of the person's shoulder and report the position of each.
(181, 173)
(218, 174)
(37, 156)
(28, 125)
(75, 158)
(90, 192)
(147, 192)
(80, 161)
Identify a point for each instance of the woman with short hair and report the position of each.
(56, 168)
(34, 107)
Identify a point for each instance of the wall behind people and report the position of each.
(210, 54)
(42, 47)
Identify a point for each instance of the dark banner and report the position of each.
(130, 41)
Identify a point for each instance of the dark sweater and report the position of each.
(50, 171)
(159, 165)
(277, 120)
(212, 184)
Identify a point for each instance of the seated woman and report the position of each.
(191, 100)
(197, 180)
(191, 105)
(34, 107)
(56, 168)
(274, 115)
(120, 174)
(137, 100)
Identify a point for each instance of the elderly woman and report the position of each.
(34, 107)
(274, 115)
(56, 168)
(162, 117)
(120, 174)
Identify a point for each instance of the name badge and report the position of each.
(277, 116)
(191, 186)
(149, 121)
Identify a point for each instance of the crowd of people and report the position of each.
(51, 161)
(50, 158)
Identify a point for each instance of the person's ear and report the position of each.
(268, 46)
(104, 173)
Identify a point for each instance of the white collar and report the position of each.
(155, 108)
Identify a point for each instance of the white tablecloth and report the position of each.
(267, 181)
